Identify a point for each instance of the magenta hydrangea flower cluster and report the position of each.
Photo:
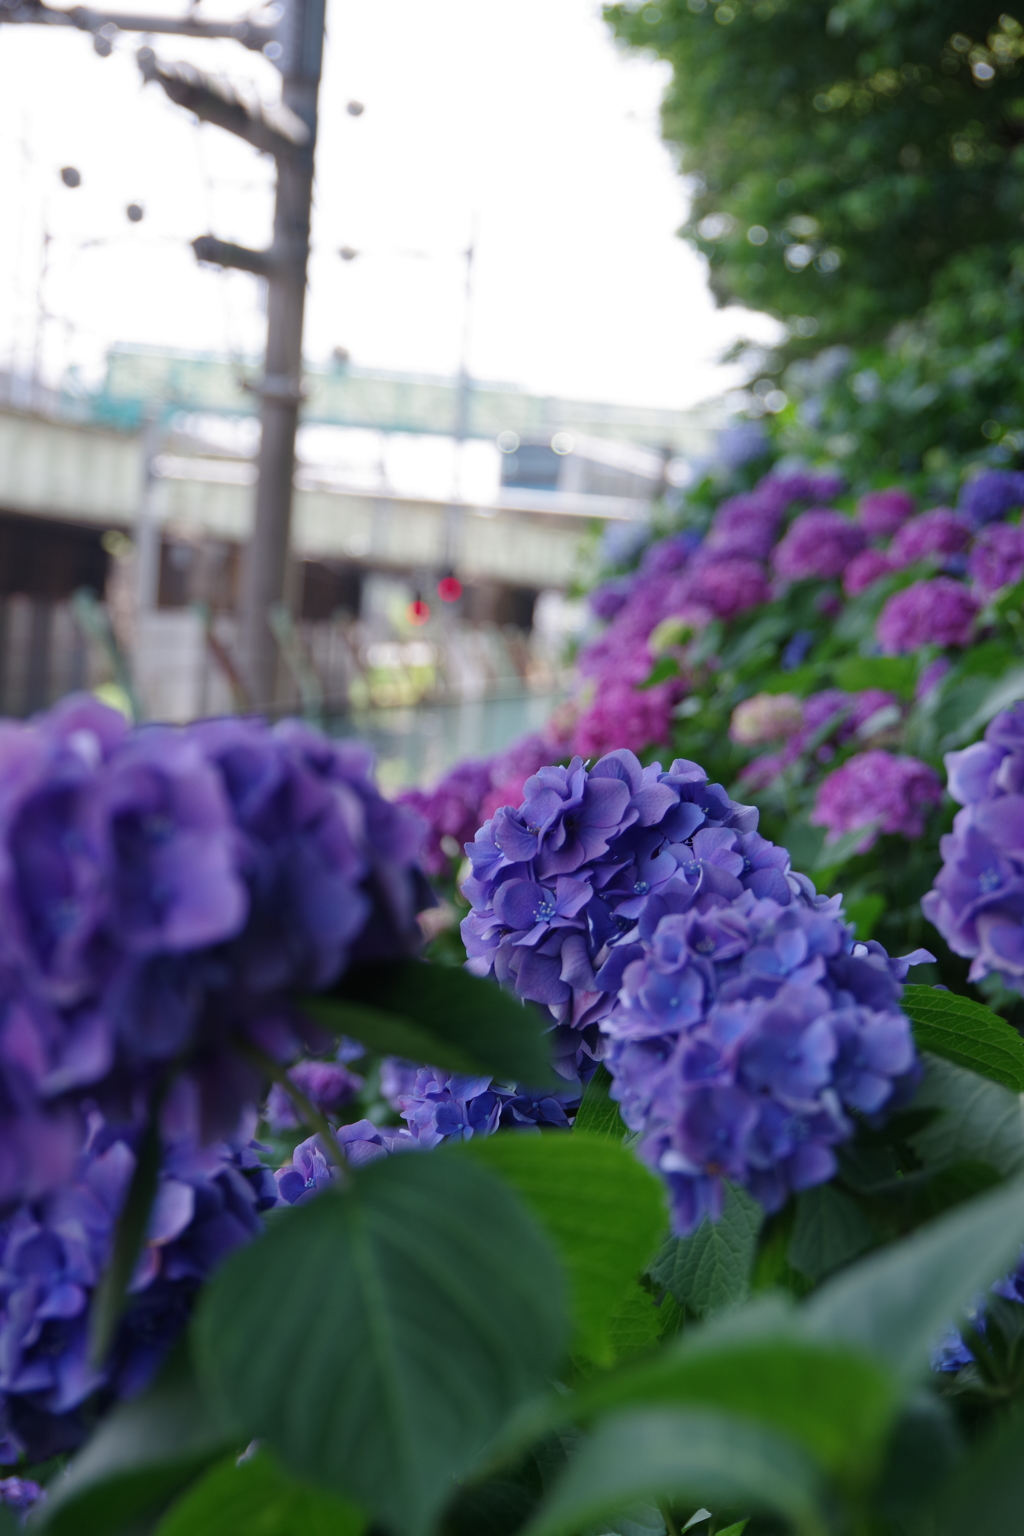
(828, 719)
(882, 513)
(693, 581)
(977, 901)
(879, 791)
(163, 893)
(938, 612)
(471, 792)
(755, 547)
(53, 1252)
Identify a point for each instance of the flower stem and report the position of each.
(666, 1514)
(314, 1119)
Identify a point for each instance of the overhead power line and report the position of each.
(249, 33)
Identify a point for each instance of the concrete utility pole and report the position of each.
(265, 571)
(288, 132)
(454, 512)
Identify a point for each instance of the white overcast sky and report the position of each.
(520, 117)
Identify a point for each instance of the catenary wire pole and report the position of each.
(286, 130)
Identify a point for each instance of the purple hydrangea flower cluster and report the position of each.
(977, 901)
(328, 1085)
(881, 513)
(940, 532)
(679, 577)
(745, 1033)
(53, 1252)
(952, 1354)
(561, 885)
(309, 1170)
(560, 882)
(606, 600)
(162, 892)
(996, 559)
(864, 570)
(878, 791)
(720, 586)
(991, 494)
(440, 1106)
(19, 1493)
(746, 525)
(819, 543)
(450, 810)
(937, 612)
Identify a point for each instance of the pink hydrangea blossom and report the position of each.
(622, 716)
(818, 543)
(880, 513)
(864, 570)
(764, 770)
(939, 532)
(937, 612)
(879, 792)
(996, 558)
(766, 717)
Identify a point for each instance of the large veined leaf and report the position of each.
(673, 1454)
(603, 1210)
(896, 674)
(975, 1120)
(836, 1402)
(830, 1229)
(711, 1269)
(924, 1447)
(966, 1033)
(639, 1321)
(139, 1458)
(986, 1493)
(380, 1335)
(439, 1015)
(256, 1498)
(598, 1113)
(1000, 694)
(898, 1301)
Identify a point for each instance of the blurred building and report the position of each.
(397, 596)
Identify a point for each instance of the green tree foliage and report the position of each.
(940, 394)
(845, 158)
